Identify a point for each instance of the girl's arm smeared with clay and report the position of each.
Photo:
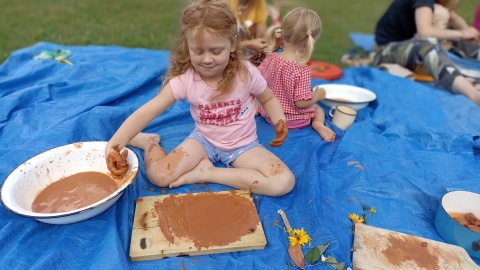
(274, 109)
(134, 124)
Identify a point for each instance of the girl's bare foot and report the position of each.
(142, 140)
(196, 175)
(327, 134)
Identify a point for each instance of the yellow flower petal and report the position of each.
(298, 237)
(293, 240)
(355, 218)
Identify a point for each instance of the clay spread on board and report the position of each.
(208, 219)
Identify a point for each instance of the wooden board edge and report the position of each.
(146, 257)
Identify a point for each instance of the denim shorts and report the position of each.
(215, 154)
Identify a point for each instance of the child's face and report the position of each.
(210, 56)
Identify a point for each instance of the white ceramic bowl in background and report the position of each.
(354, 97)
(22, 185)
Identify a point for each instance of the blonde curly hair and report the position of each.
(214, 17)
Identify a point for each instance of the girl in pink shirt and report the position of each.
(288, 74)
(207, 69)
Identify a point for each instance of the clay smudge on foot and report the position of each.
(150, 148)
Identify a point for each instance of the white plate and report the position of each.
(354, 97)
(32, 176)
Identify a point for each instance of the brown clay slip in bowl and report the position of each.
(22, 186)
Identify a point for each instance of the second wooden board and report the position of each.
(380, 249)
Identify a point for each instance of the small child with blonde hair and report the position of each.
(208, 70)
(288, 74)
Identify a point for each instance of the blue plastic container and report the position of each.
(453, 232)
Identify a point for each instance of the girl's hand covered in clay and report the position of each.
(117, 163)
(281, 132)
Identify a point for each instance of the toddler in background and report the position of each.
(288, 74)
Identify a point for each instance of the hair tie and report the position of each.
(279, 30)
(309, 33)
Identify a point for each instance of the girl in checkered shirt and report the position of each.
(288, 74)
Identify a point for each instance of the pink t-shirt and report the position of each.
(289, 82)
(229, 121)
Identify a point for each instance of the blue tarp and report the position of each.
(401, 154)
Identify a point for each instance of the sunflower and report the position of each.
(298, 237)
(355, 218)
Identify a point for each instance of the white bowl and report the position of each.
(27, 180)
(354, 97)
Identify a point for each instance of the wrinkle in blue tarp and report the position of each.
(399, 156)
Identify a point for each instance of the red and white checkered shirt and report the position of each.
(289, 82)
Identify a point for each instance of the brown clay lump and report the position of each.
(117, 163)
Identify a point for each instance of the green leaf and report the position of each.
(315, 253)
(331, 260)
(338, 266)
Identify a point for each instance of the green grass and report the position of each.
(153, 24)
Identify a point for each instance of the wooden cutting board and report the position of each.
(149, 243)
(376, 248)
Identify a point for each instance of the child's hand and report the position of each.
(258, 44)
(281, 132)
(117, 163)
(319, 93)
(469, 33)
